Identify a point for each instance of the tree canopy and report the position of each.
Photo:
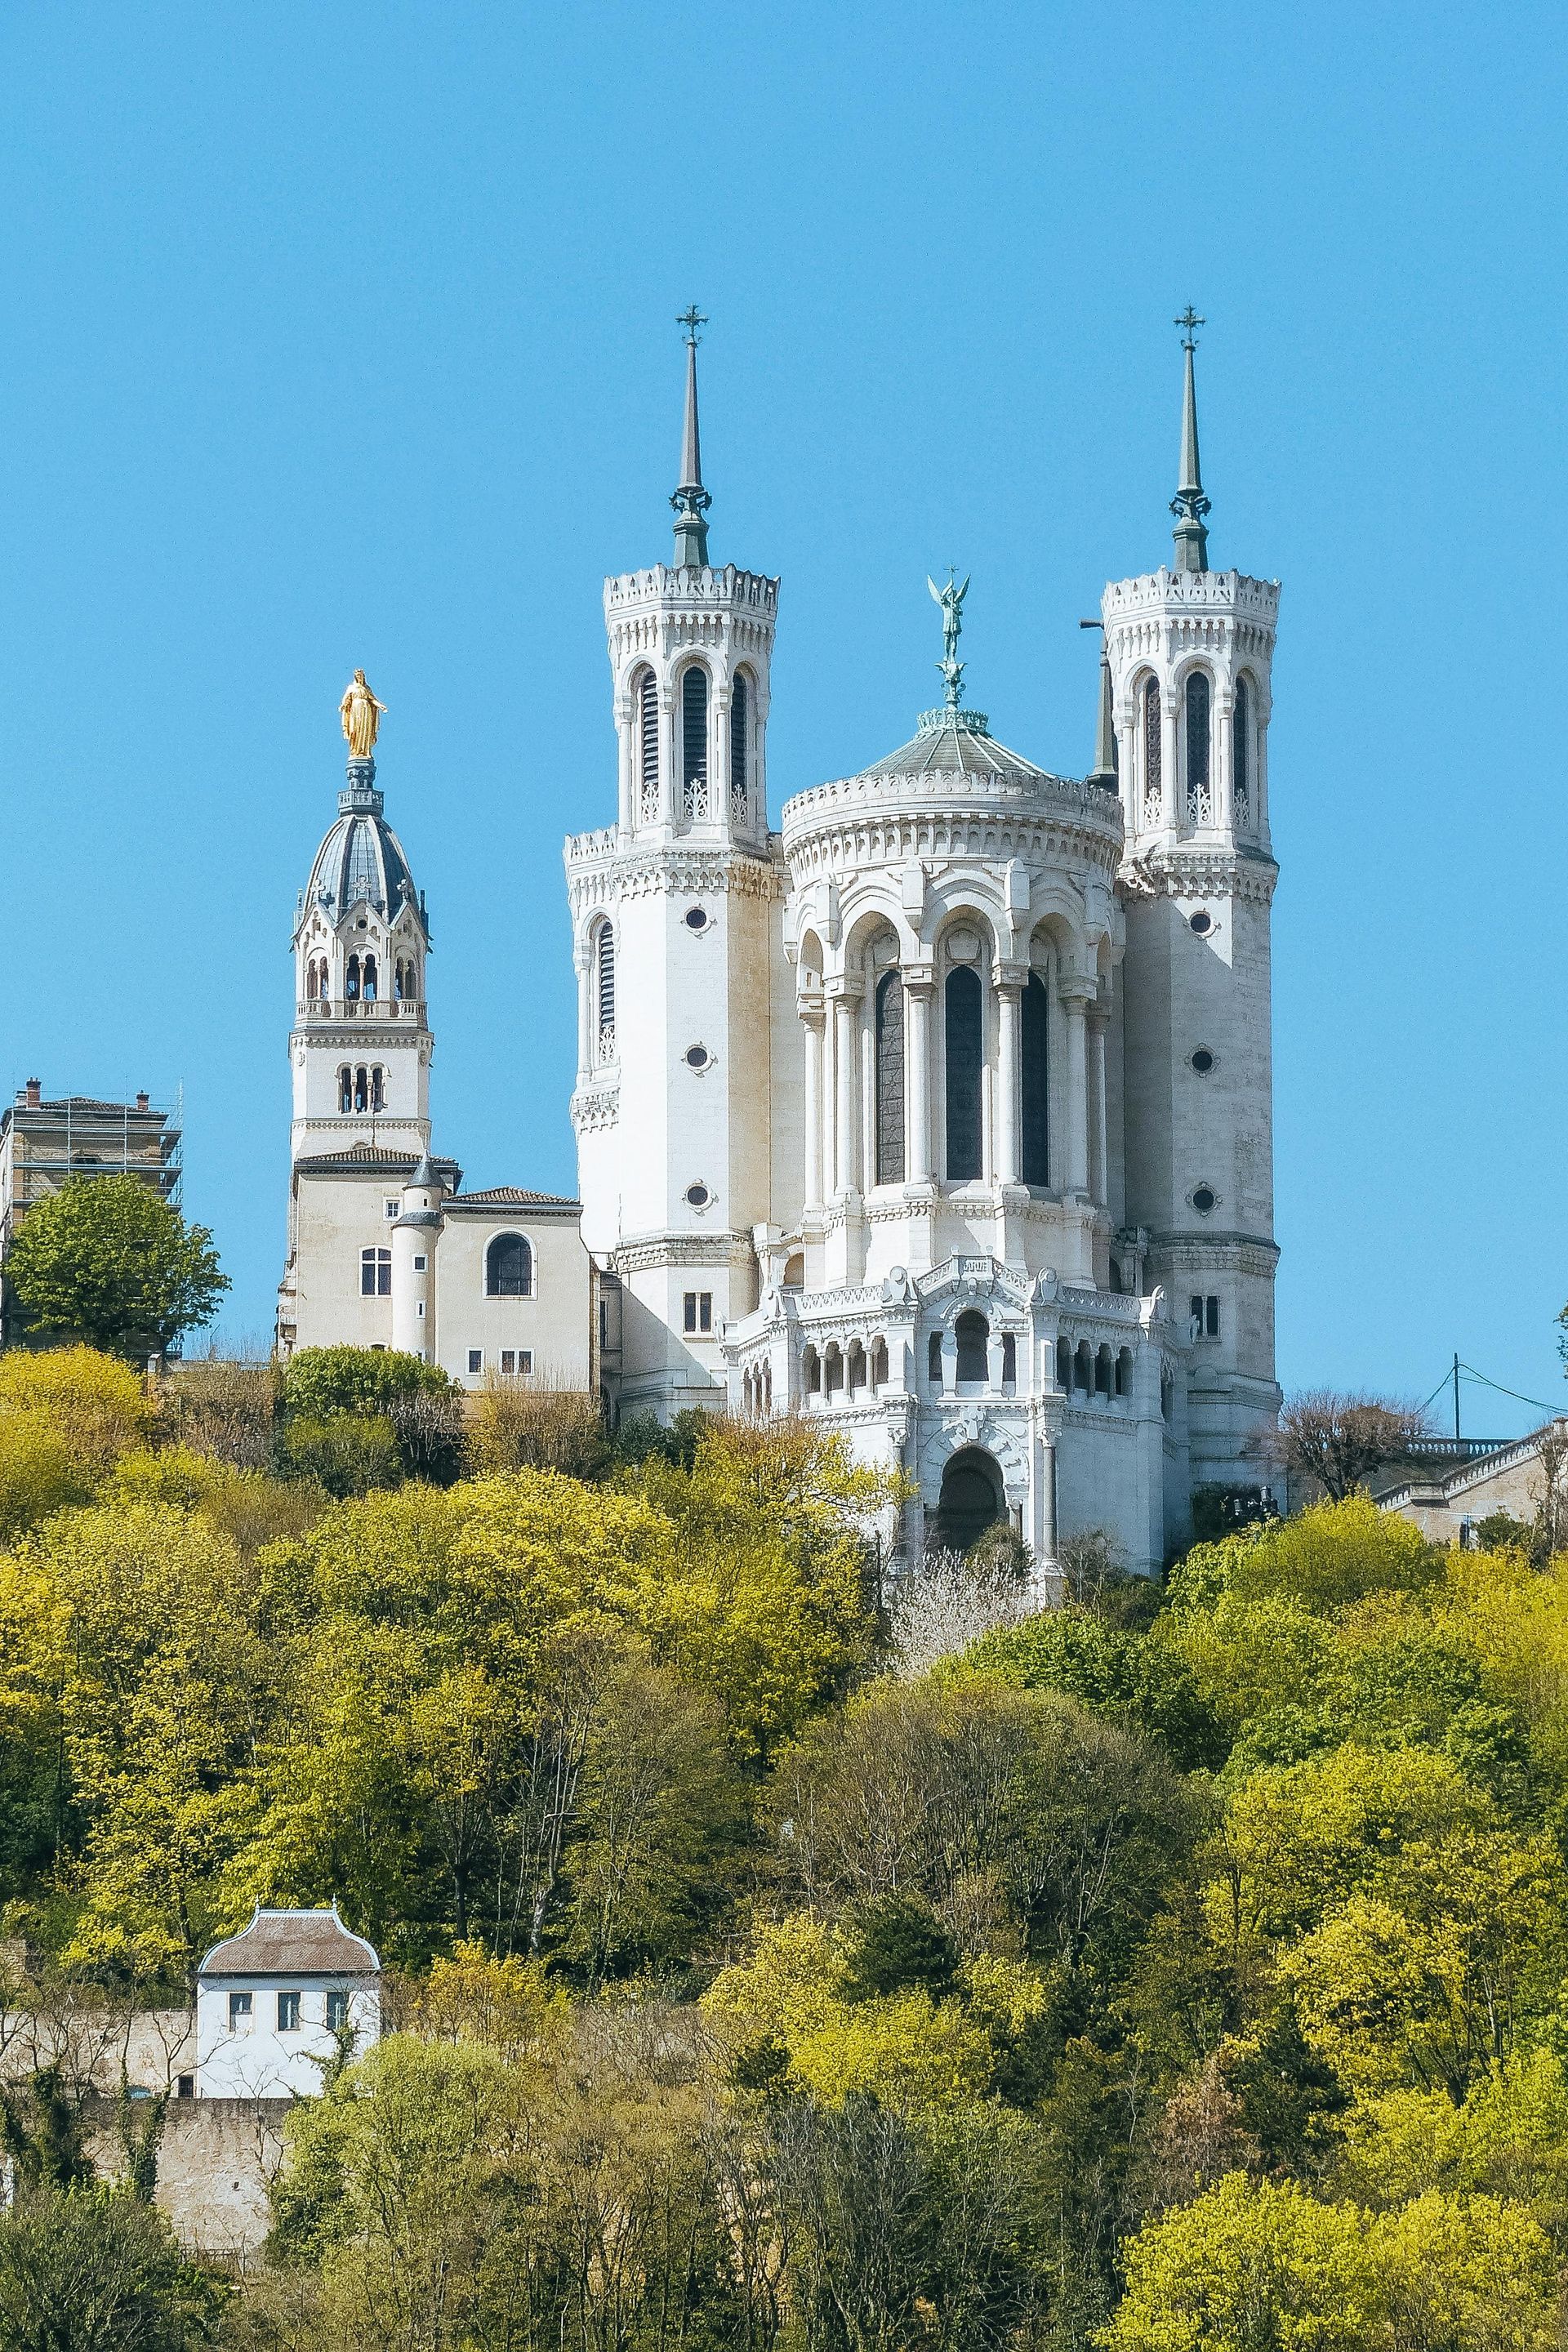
(106, 1261)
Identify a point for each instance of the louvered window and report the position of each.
(740, 743)
(1200, 798)
(890, 1079)
(648, 745)
(964, 1042)
(1242, 765)
(694, 741)
(604, 979)
(1152, 763)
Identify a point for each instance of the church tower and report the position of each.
(1189, 650)
(359, 1047)
(676, 913)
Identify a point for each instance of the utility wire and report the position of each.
(1538, 1402)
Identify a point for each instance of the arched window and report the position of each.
(1153, 761)
(1083, 1367)
(1125, 1371)
(1200, 796)
(345, 1089)
(350, 979)
(833, 1367)
(509, 1267)
(310, 988)
(889, 1010)
(397, 988)
(964, 1055)
(1036, 1138)
(1104, 1370)
(605, 991)
(694, 741)
(972, 1333)
(740, 741)
(856, 1365)
(368, 981)
(378, 1088)
(933, 1359)
(1241, 764)
(362, 1088)
(879, 1364)
(648, 745)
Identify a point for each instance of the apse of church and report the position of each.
(943, 1110)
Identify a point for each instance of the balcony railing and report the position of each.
(361, 1008)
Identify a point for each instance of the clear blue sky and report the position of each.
(336, 333)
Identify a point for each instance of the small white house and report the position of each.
(271, 2001)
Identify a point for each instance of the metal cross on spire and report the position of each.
(690, 501)
(1187, 321)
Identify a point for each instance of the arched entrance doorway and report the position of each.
(971, 1499)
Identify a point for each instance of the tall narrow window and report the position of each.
(890, 1079)
(378, 1088)
(345, 1089)
(694, 741)
(1036, 1082)
(1154, 763)
(973, 1335)
(964, 1053)
(604, 985)
(375, 1274)
(362, 1088)
(740, 743)
(1241, 765)
(648, 745)
(369, 981)
(1200, 797)
(350, 980)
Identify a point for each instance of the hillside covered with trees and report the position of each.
(1180, 1968)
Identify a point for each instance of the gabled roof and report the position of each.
(370, 1159)
(293, 1944)
(510, 1196)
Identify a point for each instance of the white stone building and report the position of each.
(386, 1250)
(944, 1111)
(272, 2001)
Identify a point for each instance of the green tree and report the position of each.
(320, 1381)
(97, 2271)
(106, 1261)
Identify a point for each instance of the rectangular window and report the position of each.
(509, 1360)
(525, 1359)
(419, 1265)
(337, 2012)
(476, 1359)
(375, 1274)
(690, 1316)
(1205, 1316)
(287, 2012)
(240, 2012)
(390, 1208)
(1211, 1317)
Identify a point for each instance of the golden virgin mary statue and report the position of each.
(361, 716)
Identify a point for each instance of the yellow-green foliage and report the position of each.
(1329, 1555)
(98, 1405)
(39, 1472)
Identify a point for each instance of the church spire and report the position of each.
(1190, 505)
(690, 501)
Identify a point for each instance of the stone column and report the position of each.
(1098, 1172)
(719, 755)
(918, 991)
(1223, 757)
(626, 730)
(1009, 1077)
(1075, 1176)
(846, 1123)
(811, 1019)
(585, 1057)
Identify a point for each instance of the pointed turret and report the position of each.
(1103, 773)
(1190, 505)
(690, 501)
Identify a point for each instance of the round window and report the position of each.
(1202, 1199)
(697, 918)
(1200, 923)
(1203, 1061)
(698, 1058)
(698, 1196)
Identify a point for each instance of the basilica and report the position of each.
(942, 1112)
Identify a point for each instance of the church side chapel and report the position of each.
(944, 1111)
(386, 1249)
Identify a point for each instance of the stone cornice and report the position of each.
(894, 820)
(1236, 1253)
(1198, 873)
(651, 1251)
(599, 870)
(1233, 593)
(725, 588)
(595, 1109)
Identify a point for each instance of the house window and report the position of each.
(509, 1267)
(1205, 1316)
(240, 2012)
(390, 1208)
(375, 1274)
(698, 1310)
(337, 2012)
(515, 1360)
(420, 1264)
(287, 2012)
(476, 1359)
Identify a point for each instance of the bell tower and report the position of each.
(1189, 651)
(361, 1046)
(675, 913)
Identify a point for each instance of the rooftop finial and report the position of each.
(690, 501)
(950, 598)
(1190, 505)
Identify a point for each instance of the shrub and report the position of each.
(349, 1453)
(98, 1406)
(320, 1381)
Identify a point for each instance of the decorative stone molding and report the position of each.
(655, 1250)
(592, 1112)
(640, 872)
(1199, 873)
